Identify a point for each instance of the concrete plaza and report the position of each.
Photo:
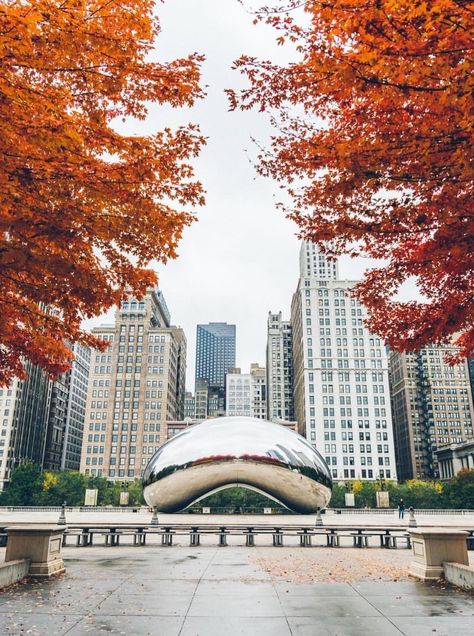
(211, 591)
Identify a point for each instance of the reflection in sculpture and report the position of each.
(237, 451)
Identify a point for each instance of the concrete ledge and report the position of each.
(41, 544)
(459, 575)
(431, 547)
(13, 571)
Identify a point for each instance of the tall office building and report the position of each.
(432, 407)
(42, 420)
(215, 355)
(24, 415)
(134, 388)
(341, 389)
(67, 413)
(246, 393)
(215, 352)
(280, 406)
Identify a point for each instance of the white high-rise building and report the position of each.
(280, 406)
(246, 393)
(341, 389)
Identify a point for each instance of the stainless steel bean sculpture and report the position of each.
(237, 451)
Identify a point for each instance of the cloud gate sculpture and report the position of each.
(237, 451)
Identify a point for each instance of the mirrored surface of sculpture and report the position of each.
(237, 451)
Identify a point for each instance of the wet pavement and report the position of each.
(209, 591)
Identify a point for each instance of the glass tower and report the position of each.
(215, 352)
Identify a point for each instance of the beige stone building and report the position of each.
(134, 388)
(432, 407)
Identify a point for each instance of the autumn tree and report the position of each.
(374, 143)
(83, 207)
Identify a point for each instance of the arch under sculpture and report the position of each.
(237, 451)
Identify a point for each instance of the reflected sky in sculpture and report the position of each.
(241, 451)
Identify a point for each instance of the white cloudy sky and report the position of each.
(240, 258)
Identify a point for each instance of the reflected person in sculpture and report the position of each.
(237, 451)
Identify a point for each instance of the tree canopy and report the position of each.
(83, 207)
(31, 486)
(374, 143)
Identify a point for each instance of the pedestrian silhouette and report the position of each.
(401, 509)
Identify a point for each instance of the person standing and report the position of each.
(401, 509)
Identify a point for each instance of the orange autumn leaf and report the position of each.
(374, 143)
(83, 208)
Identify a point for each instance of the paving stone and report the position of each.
(255, 604)
(236, 626)
(436, 626)
(316, 590)
(423, 605)
(35, 624)
(327, 606)
(140, 626)
(328, 626)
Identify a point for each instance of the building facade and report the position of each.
(432, 407)
(454, 458)
(24, 408)
(341, 388)
(215, 352)
(134, 388)
(246, 393)
(42, 420)
(189, 405)
(470, 367)
(208, 401)
(280, 405)
(66, 415)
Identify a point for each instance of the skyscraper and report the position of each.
(341, 389)
(66, 414)
(134, 388)
(24, 416)
(42, 420)
(280, 405)
(432, 406)
(215, 355)
(215, 352)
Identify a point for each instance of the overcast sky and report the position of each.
(240, 258)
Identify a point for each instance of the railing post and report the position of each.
(154, 518)
(319, 519)
(62, 516)
(222, 537)
(412, 521)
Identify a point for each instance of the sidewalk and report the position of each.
(207, 591)
(330, 519)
